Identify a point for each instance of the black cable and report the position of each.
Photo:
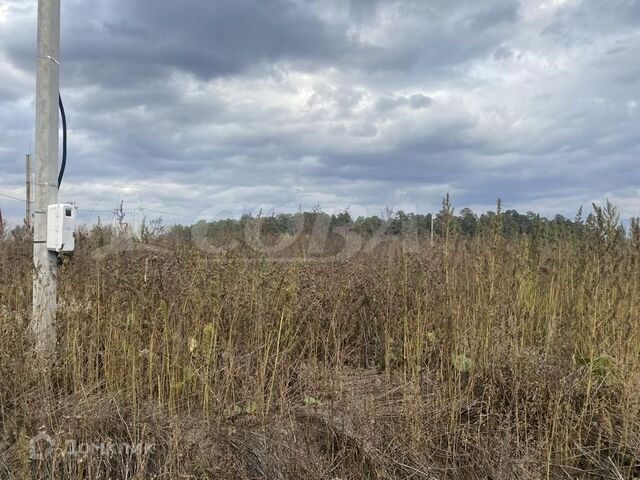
(64, 140)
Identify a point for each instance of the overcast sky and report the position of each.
(208, 108)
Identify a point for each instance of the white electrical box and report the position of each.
(61, 223)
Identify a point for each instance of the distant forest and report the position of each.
(602, 221)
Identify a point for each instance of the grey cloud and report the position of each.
(362, 10)
(364, 130)
(197, 38)
(131, 42)
(366, 103)
(580, 21)
(416, 101)
(419, 100)
(503, 53)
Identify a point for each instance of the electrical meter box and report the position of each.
(61, 223)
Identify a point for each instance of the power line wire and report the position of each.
(111, 210)
(166, 213)
(13, 198)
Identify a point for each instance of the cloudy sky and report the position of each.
(208, 108)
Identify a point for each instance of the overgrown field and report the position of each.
(484, 357)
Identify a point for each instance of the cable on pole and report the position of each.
(63, 165)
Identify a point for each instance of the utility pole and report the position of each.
(29, 193)
(46, 172)
(431, 231)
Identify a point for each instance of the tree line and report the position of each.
(602, 221)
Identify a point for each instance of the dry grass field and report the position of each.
(472, 358)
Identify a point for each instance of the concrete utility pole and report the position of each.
(46, 173)
(29, 193)
(431, 231)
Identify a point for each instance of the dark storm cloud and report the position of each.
(129, 42)
(198, 38)
(207, 105)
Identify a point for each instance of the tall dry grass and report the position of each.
(471, 358)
